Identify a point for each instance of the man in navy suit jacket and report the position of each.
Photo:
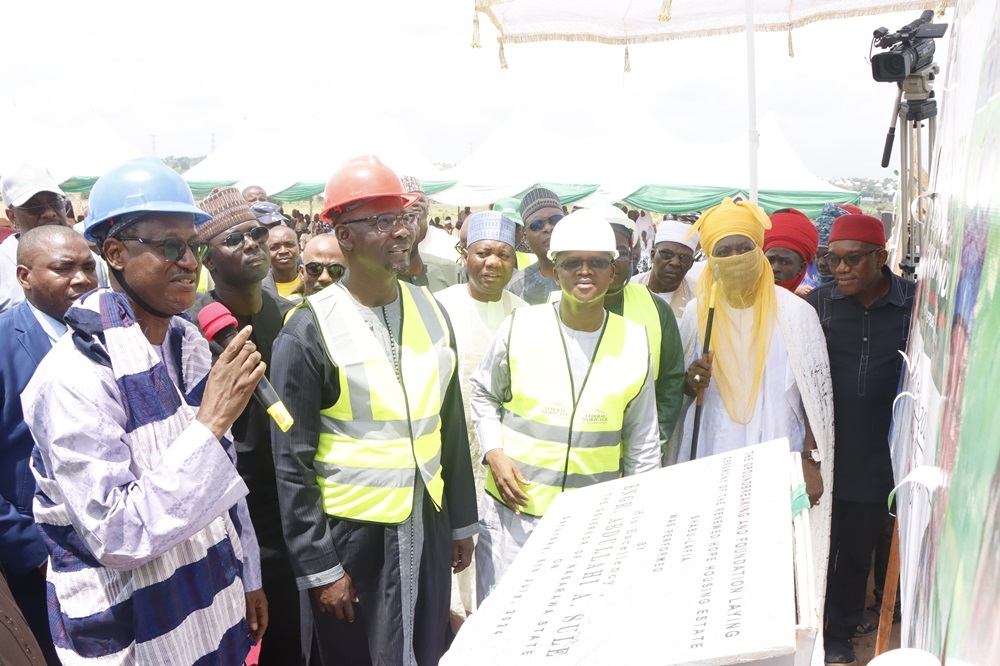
(55, 267)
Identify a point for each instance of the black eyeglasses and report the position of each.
(315, 269)
(234, 240)
(573, 265)
(851, 260)
(386, 222)
(173, 248)
(56, 203)
(538, 225)
(668, 256)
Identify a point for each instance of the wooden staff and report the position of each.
(888, 594)
(704, 356)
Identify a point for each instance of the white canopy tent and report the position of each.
(77, 153)
(305, 155)
(632, 151)
(626, 22)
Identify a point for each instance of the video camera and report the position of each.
(912, 48)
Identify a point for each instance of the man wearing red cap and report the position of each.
(374, 478)
(865, 315)
(790, 246)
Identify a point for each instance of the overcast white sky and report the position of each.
(184, 70)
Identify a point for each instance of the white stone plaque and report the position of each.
(691, 564)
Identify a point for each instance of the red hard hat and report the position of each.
(359, 180)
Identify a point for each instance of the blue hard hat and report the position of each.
(143, 185)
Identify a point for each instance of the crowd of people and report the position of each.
(442, 390)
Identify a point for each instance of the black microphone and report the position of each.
(220, 326)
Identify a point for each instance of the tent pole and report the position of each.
(754, 137)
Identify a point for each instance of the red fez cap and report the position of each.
(792, 229)
(864, 228)
(852, 209)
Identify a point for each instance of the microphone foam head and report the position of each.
(213, 318)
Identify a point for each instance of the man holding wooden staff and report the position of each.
(767, 375)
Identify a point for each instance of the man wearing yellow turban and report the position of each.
(767, 376)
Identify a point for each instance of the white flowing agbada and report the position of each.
(474, 323)
(796, 383)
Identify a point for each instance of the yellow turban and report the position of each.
(730, 218)
(746, 285)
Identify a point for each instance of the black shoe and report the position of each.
(839, 652)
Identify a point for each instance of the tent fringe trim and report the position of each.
(646, 39)
(664, 11)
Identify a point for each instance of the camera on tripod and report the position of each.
(912, 48)
(909, 63)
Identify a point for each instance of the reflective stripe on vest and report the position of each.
(639, 306)
(557, 442)
(381, 432)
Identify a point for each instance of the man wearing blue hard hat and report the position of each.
(152, 555)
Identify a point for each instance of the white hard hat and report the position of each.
(583, 231)
(614, 215)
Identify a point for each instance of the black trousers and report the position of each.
(283, 640)
(370, 554)
(29, 592)
(854, 532)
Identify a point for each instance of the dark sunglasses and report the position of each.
(852, 260)
(234, 240)
(173, 248)
(573, 265)
(315, 269)
(538, 225)
(56, 204)
(668, 256)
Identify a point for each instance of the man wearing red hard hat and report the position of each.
(374, 478)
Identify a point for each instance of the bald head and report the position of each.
(38, 241)
(320, 253)
(54, 268)
(253, 194)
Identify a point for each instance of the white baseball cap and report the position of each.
(25, 182)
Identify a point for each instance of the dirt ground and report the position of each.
(864, 647)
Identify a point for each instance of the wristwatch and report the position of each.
(813, 455)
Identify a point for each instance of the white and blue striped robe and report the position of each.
(150, 544)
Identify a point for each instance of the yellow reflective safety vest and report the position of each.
(638, 306)
(381, 432)
(558, 441)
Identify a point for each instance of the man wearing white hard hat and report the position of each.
(672, 259)
(548, 424)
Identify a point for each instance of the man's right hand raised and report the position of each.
(337, 597)
(230, 384)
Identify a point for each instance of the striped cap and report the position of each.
(228, 208)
